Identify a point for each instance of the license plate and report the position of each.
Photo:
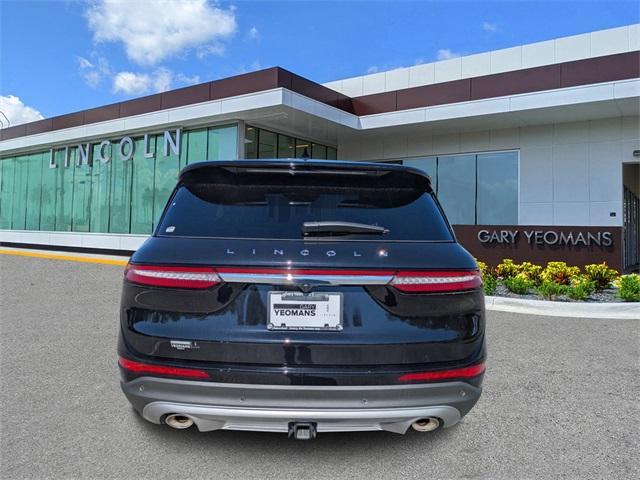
(305, 311)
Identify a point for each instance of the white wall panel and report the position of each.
(536, 135)
(476, 65)
(536, 174)
(605, 130)
(600, 213)
(421, 74)
(394, 146)
(608, 42)
(474, 141)
(628, 147)
(570, 173)
(630, 128)
(373, 83)
(353, 87)
(504, 139)
(573, 132)
(571, 213)
(506, 60)
(419, 144)
(572, 48)
(537, 54)
(371, 148)
(536, 213)
(448, 70)
(396, 79)
(634, 37)
(444, 144)
(605, 172)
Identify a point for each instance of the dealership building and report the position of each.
(533, 150)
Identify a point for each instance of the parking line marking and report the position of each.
(69, 258)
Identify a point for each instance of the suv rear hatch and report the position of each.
(245, 249)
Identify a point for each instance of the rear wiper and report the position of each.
(340, 228)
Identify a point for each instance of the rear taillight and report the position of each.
(417, 281)
(138, 367)
(176, 277)
(457, 373)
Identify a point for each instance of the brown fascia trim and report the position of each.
(609, 68)
(581, 72)
(261, 80)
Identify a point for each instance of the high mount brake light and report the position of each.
(466, 372)
(176, 277)
(138, 367)
(416, 281)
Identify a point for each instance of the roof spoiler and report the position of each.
(299, 167)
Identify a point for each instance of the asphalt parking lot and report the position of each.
(560, 400)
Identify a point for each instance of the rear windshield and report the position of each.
(272, 209)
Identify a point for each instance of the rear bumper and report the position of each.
(271, 408)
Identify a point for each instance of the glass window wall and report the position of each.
(118, 196)
(474, 189)
(261, 143)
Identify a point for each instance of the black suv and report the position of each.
(302, 296)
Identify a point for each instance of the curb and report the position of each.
(78, 257)
(564, 309)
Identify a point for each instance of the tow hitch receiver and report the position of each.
(302, 431)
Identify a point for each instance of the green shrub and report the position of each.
(488, 279)
(531, 271)
(559, 272)
(507, 269)
(519, 284)
(489, 284)
(581, 287)
(551, 290)
(601, 275)
(629, 286)
(484, 268)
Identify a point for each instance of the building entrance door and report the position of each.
(631, 216)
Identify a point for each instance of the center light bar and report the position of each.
(411, 281)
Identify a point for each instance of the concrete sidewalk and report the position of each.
(623, 310)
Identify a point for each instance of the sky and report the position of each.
(60, 56)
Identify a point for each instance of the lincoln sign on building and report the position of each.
(533, 150)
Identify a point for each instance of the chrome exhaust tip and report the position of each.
(428, 424)
(177, 421)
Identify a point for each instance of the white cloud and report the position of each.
(131, 83)
(254, 34)
(93, 72)
(372, 69)
(211, 49)
(489, 27)
(152, 30)
(446, 54)
(16, 111)
(182, 78)
(161, 80)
